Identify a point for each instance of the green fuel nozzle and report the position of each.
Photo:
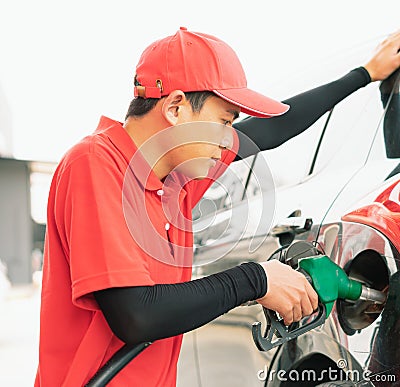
(330, 282)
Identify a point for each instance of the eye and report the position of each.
(227, 122)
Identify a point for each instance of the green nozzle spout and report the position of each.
(330, 281)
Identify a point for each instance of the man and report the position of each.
(117, 263)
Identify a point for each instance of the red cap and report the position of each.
(193, 61)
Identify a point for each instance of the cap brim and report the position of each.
(253, 103)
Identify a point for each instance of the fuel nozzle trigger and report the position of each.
(277, 333)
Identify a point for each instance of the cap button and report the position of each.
(183, 28)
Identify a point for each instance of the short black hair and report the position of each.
(140, 106)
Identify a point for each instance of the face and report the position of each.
(200, 150)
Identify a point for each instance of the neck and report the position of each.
(141, 130)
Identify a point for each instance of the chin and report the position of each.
(196, 175)
(195, 170)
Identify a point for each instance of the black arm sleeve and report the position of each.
(305, 109)
(147, 313)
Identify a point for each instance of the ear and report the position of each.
(172, 106)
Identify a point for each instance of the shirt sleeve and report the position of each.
(148, 313)
(89, 214)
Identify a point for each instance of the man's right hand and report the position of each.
(386, 59)
(289, 293)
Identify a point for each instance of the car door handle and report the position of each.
(292, 225)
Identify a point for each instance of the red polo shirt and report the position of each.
(111, 225)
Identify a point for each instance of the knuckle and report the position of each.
(287, 309)
(284, 311)
(297, 317)
(308, 310)
(300, 297)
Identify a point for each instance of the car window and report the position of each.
(351, 131)
(290, 162)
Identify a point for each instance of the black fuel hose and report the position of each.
(117, 362)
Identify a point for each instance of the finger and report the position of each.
(293, 315)
(297, 313)
(312, 295)
(395, 35)
(306, 306)
(394, 39)
(288, 318)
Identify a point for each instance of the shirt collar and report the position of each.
(120, 138)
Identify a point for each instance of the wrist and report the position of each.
(264, 272)
(366, 73)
